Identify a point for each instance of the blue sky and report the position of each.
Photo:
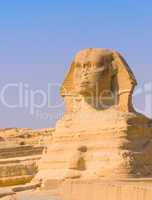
(38, 40)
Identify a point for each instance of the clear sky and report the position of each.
(38, 40)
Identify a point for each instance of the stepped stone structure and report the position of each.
(100, 136)
(20, 151)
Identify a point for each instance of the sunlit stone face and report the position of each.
(88, 77)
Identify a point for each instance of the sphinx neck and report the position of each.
(82, 103)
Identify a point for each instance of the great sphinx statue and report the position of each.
(100, 134)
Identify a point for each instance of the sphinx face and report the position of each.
(101, 74)
(88, 77)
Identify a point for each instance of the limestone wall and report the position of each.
(18, 165)
(20, 151)
(106, 190)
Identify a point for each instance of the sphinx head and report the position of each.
(92, 72)
(98, 73)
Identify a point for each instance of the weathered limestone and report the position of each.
(18, 165)
(100, 135)
(106, 190)
(13, 137)
(20, 151)
(100, 149)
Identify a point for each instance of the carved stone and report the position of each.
(100, 117)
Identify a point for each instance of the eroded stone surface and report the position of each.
(106, 190)
(100, 117)
(20, 150)
(100, 148)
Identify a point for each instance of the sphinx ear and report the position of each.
(123, 83)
